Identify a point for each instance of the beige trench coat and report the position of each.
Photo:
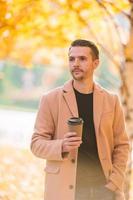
(51, 125)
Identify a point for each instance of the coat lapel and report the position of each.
(70, 98)
(97, 106)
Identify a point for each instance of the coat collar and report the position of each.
(68, 87)
(98, 97)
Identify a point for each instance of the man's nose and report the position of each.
(76, 62)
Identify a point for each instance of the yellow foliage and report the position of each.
(20, 175)
(27, 25)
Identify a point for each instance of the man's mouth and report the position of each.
(77, 70)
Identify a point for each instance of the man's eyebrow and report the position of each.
(78, 56)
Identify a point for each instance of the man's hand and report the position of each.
(70, 142)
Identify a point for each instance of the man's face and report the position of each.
(82, 63)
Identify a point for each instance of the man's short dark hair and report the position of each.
(86, 43)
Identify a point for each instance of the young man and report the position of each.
(91, 167)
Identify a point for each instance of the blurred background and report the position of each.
(34, 39)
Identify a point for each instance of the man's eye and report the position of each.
(71, 59)
(82, 58)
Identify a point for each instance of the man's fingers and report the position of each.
(71, 139)
(74, 143)
(70, 134)
(68, 146)
(73, 147)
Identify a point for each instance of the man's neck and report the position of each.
(84, 87)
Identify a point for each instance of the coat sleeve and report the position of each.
(121, 150)
(42, 143)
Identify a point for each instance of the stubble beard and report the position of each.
(77, 78)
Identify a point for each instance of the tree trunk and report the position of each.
(127, 95)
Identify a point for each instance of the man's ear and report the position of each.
(96, 63)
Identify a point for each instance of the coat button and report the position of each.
(71, 187)
(73, 160)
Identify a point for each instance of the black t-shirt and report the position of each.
(89, 168)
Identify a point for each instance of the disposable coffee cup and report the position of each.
(75, 124)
